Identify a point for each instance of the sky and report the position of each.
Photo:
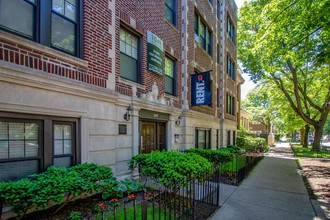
(248, 84)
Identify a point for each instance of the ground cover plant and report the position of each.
(300, 151)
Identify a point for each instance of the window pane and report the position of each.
(63, 34)
(122, 35)
(128, 50)
(31, 148)
(62, 162)
(170, 3)
(134, 42)
(16, 130)
(169, 67)
(58, 6)
(31, 131)
(67, 147)
(16, 149)
(128, 39)
(58, 131)
(128, 67)
(18, 170)
(70, 10)
(67, 132)
(17, 16)
(58, 147)
(66, 8)
(3, 149)
(122, 47)
(3, 130)
(134, 53)
(169, 14)
(169, 85)
(201, 139)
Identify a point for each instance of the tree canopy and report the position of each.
(286, 42)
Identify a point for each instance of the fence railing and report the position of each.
(195, 199)
(235, 171)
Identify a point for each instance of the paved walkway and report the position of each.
(273, 190)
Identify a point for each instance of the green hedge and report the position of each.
(251, 144)
(170, 168)
(214, 156)
(52, 185)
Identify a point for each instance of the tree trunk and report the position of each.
(305, 143)
(302, 135)
(317, 137)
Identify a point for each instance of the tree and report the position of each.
(270, 107)
(286, 42)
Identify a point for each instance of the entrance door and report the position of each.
(148, 137)
(153, 136)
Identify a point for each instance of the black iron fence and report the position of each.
(195, 199)
(235, 171)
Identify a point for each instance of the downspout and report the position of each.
(184, 81)
(223, 56)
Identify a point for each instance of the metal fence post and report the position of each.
(218, 185)
(144, 206)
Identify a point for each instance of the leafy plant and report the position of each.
(52, 185)
(75, 215)
(214, 156)
(113, 188)
(170, 168)
(252, 144)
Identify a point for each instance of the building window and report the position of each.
(63, 142)
(170, 75)
(129, 56)
(29, 146)
(217, 138)
(56, 23)
(203, 35)
(230, 68)
(170, 11)
(228, 138)
(234, 137)
(218, 97)
(209, 42)
(231, 30)
(218, 54)
(230, 102)
(218, 10)
(203, 138)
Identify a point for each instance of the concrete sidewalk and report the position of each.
(273, 190)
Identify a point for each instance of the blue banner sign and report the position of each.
(201, 89)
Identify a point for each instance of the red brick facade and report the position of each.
(140, 17)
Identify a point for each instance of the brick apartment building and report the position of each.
(101, 81)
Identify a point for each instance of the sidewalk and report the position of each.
(274, 190)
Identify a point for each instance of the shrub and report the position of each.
(235, 150)
(170, 168)
(52, 185)
(214, 156)
(251, 144)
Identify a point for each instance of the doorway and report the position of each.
(153, 136)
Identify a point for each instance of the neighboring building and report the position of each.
(101, 81)
(245, 119)
(258, 127)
